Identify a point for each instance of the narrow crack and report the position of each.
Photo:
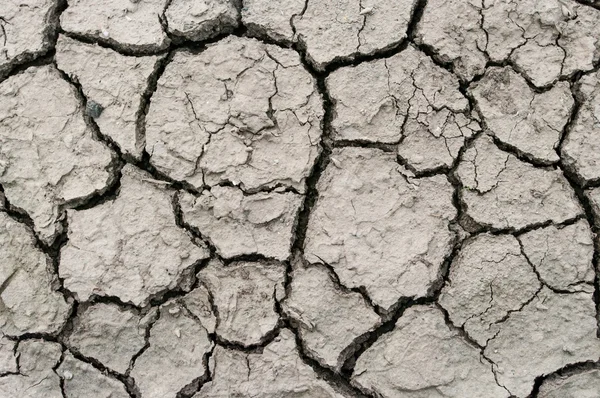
(323, 160)
(565, 371)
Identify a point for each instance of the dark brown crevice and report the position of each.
(390, 317)
(524, 156)
(337, 381)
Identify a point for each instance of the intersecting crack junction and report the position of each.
(299, 199)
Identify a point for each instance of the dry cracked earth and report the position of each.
(299, 198)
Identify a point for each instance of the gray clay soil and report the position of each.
(299, 198)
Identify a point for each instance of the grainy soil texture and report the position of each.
(299, 198)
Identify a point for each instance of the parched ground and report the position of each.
(299, 198)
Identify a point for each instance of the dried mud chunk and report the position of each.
(489, 279)
(241, 112)
(25, 30)
(581, 385)
(36, 378)
(544, 39)
(114, 83)
(175, 356)
(198, 303)
(582, 144)
(452, 28)
(239, 224)
(201, 20)
(134, 25)
(329, 319)
(30, 304)
(378, 229)
(244, 294)
(386, 99)
(500, 191)
(562, 256)
(48, 157)
(129, 247)
(433, 141)
(593, 196)
(346, 28)
(82, 380)
(550, 332)
(421, 358)
(109, 334)
(278, 371)
(272, 19)
(519, 117)
(8, 356)
(541, 64)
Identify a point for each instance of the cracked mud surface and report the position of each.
(249, 198)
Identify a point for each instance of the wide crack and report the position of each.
(311, 197)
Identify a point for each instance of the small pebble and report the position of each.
(94, 109)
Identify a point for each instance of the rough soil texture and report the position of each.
(299, 198)
(136, 231)
(113, 85)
